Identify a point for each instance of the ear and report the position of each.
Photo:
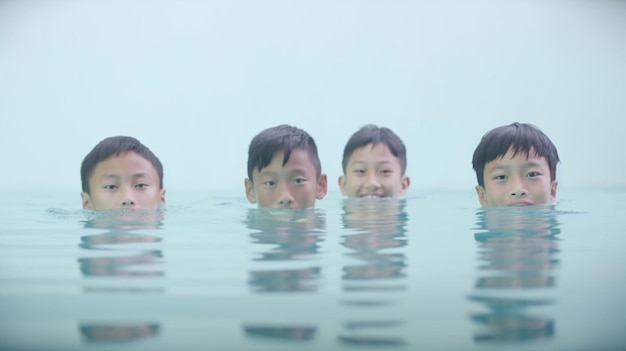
(482, 195)
(553, 187)
(86, 201)
(342, 184)
(162, 196)
(404, 185)
(322, 186)
(250, 191)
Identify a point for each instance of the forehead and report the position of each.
(127, 162)
(298, 159)
(511, 157)
(379, 152)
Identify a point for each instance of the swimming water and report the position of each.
(430, 271)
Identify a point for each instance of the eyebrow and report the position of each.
(524, 165)
(141, 175)
(117, 176)
(299, 170)
(377, 163)
(110, 176)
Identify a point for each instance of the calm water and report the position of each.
(429, 272)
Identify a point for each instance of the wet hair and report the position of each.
(268, 142)
(521, 138)
(372, 134)
(114, 146)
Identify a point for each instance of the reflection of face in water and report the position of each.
(95, 332)
(375, 233)
(378, 224)
(120, 263)
(293, 234)
(375, 216)
(286, 235)
(124, 220)
(517, 250)
(522, 243)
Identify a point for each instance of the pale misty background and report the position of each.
(196, 80)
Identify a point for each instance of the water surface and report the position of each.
(431, 271)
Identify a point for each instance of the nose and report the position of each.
(126, 203)
(519, 190)
(127, 199)
(371, 182)
(285, 199)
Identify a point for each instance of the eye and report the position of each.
(110, 187)
(299, 180)
(499, 177)
(269, 183)
(386, 171)
(533, 174)
(359, 171)
(141, 186)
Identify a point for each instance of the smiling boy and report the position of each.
(120, 172)
(515, 165)
(374, 164)
(284, 170)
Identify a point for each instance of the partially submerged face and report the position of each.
(125, 181)
(517, 181)
(294, 185)
(373, 171)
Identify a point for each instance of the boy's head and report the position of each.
(515, 165)
(284, 170)
(374, 164)
(120, 172)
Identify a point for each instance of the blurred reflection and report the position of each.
(289, 239)
(288, 235)
(117, 260)
(117, 332)
(301, 333)
(379, 233)
(379, 225)
(118, 251)
(518, 254)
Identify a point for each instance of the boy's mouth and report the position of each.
(371, 196)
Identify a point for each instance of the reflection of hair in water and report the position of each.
(371, 327)
(370, 341)
(507, 320)
(296, 333)
(300, 280)
(103, 332)
(380, 270)
(517, 248)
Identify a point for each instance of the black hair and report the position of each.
(372, 134)
(114, 146)
(268, 142)
(521, 138)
